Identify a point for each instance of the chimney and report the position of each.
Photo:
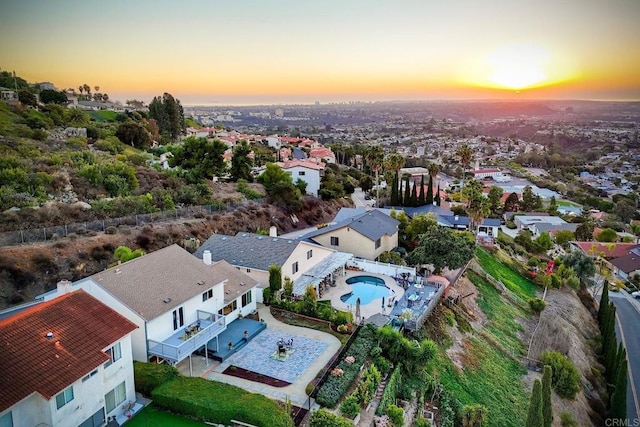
(64, 287)
(273, 231)
(477, 167)
(206, 257)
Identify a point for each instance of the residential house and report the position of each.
(488, 230)
(9, 96)
(178, 302)
(607, 253)
(67, 362)
(305, 263)
(322, 154)
(539, 224)
(365, 235)
(628, 266)
(306, 170)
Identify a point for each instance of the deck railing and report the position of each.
(211, 326)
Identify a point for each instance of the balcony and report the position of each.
(188, 339)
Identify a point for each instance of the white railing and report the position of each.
(387, 269)
(176, 353)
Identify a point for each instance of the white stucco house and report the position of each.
(179, 303)
(305, 263)
(309, 171)
(66, 362)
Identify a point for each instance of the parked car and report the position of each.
(636, 294)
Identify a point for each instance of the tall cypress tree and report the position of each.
(429, 199)
(437, 196)
(619, 397)
(414, 196)
(407, 193)
(421, 199)
(534, 418)
(604, 302)
(547, 409)
(394, 190)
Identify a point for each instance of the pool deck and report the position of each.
(367, 310)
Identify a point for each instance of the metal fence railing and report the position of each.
(44, 234)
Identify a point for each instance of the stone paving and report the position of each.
(257, 355)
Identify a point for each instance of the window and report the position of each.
(302, 173)
(246, 299)
(377, 243)
(64, 397)
(6, 420)
(229, 308)
(309, 253)
(335, 241)
(114, 353)
(178, 318)
(90, 375)
(115, 397)
(294, 267)
(208, 294)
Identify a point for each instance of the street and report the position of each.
(359, 200)
(628, 330)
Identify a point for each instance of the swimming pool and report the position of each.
(367, 288)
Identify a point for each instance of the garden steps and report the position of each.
(366, 417)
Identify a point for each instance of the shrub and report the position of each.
(383, 365)
(396, 415)
(148, 376)
(565, 378)
(350, 406)
(324, 418)
(566, 420)
(537, 304)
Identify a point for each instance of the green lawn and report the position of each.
(155, 417)
(507, 275)
(103, 116)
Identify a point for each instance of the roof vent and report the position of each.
(118, 271)
(166, 300)
(49, 335)
(224, 238)
(201, 282)
(242, 283)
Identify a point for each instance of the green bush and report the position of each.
(566, 420)
(148, 376)
(324, 418)
(217, 402)
(565, 378)
(537, 304)
(396, 415)
(383, 364)
(350, 406)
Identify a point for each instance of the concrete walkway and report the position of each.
(296, 391)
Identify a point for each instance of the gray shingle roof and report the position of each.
(546, 227)
(372, 224)
(171, 274)
(249, 250)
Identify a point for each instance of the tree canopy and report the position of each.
(200, 156)
(280, 187)
(241, 163)
(168, 113)
(134, 134)
(443, 247)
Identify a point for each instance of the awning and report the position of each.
(318, 272)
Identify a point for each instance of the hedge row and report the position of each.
(390, 391)
(219, 403)
(148, 376)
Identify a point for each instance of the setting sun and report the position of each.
(518, 66)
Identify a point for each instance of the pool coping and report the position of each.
(367, 310)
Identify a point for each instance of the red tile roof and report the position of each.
(82, 327)
(609, 250)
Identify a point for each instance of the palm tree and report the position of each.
(374, 156)
(477, 205)
(87, 88)
(96, 88)
(466, 154)
(394, 162)
(473, 415)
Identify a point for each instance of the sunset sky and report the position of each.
(301, 51)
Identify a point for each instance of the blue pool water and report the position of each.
(367, 288)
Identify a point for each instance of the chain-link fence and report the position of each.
(44, 234)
